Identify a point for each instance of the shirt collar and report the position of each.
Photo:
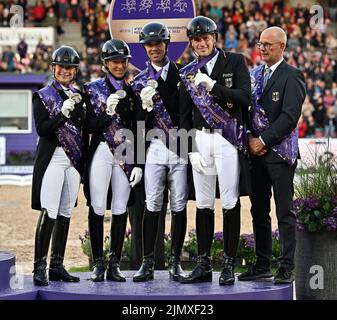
(66, 90)
(275, 65)
(210, 64)
(165, 70)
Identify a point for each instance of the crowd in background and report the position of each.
(313, 50)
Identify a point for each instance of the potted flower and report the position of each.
(316, 211)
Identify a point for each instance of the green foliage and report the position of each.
(320, 181)
(245, 251)
(245, 248)
(21, 158)
(190, 246)
(316, 196)
(126, 252)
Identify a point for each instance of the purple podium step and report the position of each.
(159, 289)
(7, 269)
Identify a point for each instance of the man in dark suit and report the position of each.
(214, 99)
(278, 92)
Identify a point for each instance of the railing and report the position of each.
(15, 180)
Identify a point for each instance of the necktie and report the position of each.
(266, 76)
(204, 70)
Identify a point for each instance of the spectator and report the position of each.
(22, 48)
(307, 108)
(39, 11)
(242, 43)
(8, 59)
(334, 89)
(328, 99)
(74, 6)
(4, 15)
(231, 42)
(330, 123)
(302, 127)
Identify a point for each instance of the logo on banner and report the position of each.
(127, 18)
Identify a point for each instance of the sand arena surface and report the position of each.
(18, 222)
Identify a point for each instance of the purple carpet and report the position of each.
(159, 289)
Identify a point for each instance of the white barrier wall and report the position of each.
(12, 36)
(322, 149)
(313, 150)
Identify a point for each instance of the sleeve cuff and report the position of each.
(262, 141)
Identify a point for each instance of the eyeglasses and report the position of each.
(265, 45)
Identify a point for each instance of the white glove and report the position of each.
(146, 95)
(67, 107)
(204, 80)
(198, 162)
(148, 106)
(136, 176)
(111, 103)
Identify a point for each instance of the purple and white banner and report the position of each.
(127, 17)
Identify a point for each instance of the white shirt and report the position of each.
(274, 66)
(211, 63)
(164, 72)
(66, 90)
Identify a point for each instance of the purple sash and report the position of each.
(162, 119)
(287, 149)
(117, 85)
(215, 116)
(68, 135)
(156, 76)
(98, 92)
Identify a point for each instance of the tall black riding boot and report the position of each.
(150, 228)
(178, 230)
(136, 213)
(57, 272)
(205, 231)
(159, 248)
(117, 235)
(43, 233)
(231, 236)
(96, 232)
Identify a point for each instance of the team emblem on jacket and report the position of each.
(229, 82)
(275, 96)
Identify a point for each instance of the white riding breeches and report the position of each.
(162, 164)
(60, 185)
(105, 170)
(222, 161)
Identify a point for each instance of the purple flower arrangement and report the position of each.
(316, 214)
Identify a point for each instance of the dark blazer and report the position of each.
(232, 91)
(282, 101)
(45, 128)
(169, 93)
(127, 109)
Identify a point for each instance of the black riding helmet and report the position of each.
(201, 25)
(66, 56)
(115, 49)
(154, 32)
